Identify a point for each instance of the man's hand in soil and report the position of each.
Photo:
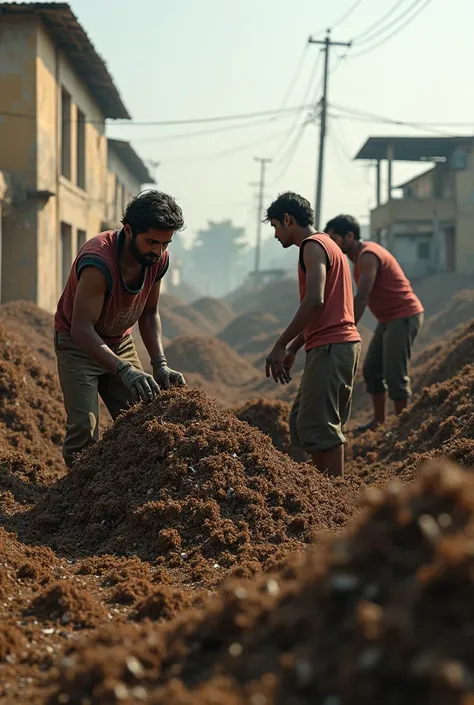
(141, 385)
(164, 375)
(275, 365)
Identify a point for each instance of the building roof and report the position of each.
(412, 149)
(70, 36)
(415, 178)
(131, 160)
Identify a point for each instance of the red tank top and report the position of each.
(334, 321)
(391, 296)
(122, 306)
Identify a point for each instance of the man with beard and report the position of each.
(113, 284)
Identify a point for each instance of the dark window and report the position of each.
(66, 134)
(424, 250)
(81, 149)
(81, 238)
(66, 252)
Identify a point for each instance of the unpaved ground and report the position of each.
(172, 565)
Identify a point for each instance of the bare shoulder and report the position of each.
(368, 261)
(314, 253)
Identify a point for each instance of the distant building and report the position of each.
(65, 184)
(430, 227)
(126, 173)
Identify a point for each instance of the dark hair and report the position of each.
(292, 204)
(153, 209)
(344, 224)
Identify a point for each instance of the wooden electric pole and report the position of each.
(327, 43)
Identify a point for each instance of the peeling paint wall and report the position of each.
(18, 156)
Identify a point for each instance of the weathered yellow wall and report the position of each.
(18, 155)
(82, 209)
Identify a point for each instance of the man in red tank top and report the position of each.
(324, 324)
(114, 282)
(384, 288)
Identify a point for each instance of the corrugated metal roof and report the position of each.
(132, 161)
(69, 35)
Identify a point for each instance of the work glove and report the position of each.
(164, 375)
(141, 385)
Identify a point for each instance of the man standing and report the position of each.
(384, 288)
(114, 282)
(324, 324)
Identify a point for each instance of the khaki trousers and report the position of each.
(323, 404)
(82, 380)
(386, 362)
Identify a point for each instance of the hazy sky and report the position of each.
(190, 58)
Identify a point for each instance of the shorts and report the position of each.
(323, 404)
(386, 362)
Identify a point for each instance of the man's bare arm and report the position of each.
(297, 343)
(315, 260)
(368, 268)
(149, 324)
(88, 303)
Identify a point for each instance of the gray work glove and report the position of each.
(164, 375)
(141, 385)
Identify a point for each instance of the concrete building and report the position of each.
(55, 96)
(429, 227)
(126, 173)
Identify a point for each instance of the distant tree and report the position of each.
(215, 257)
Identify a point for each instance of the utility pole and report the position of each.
(263, 164)
(327, 43)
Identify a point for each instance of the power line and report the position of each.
(372, 117)
(343, 18)
(298, 69)
(293, 129)
(225, 152)
(291, 152)
(215, 130)
(347, 14)
(377, 23)
(396, 31)
(163, 123)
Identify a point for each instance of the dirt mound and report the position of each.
(458, 311)
(170, 301)
(192, 488)
(381, 613)
(65, 603)
(440, 421)
(174, 324)
(443, 359)
(278, 297)
(435, 290)
(271, 417)
(31, 410)
(198, 320)
(216, 312)
(164, 603)
(30, 325)
(211, 358)
(247, 326)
